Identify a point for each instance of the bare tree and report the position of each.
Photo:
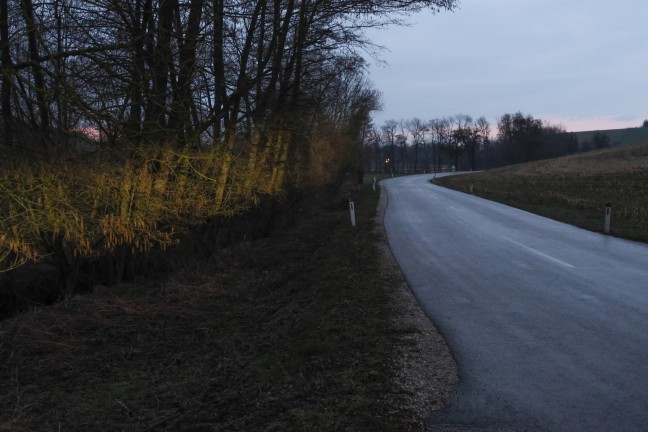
(417, 128)
(192, 73)
(457, 136)
(5, 62)
(373, 158)
(441, 138)
(389, 135)
(40, 90)
(520, 137)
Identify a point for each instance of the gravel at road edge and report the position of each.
(425, 370)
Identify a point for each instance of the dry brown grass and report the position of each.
(574, 189)
(287, 333)
(93, 205)
(615, 160)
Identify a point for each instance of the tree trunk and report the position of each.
(180, 118)
(220, 85)
(39, 79)
(162, 65)
(5, 61)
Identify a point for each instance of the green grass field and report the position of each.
(574, 189)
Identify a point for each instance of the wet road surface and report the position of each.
(548, 322)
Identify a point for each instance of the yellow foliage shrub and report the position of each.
(95, 204)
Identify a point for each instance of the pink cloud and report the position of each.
(90, 132)
(595, 123)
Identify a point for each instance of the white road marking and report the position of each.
(540, 254)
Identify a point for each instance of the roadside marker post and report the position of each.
(608, 216)
(373, 182)
(472, 188)
(352, 213)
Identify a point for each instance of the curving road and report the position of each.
(548, 322)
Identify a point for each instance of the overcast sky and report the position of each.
(580, 63)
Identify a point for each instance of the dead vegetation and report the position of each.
(292, 332)
(574, 189)
(87, 206)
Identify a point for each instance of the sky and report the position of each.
(579, 63)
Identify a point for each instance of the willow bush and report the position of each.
(88, 206)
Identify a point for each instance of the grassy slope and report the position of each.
(574, 189)
(287, 333)
(618, 136)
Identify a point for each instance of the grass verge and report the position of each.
(289, 333)
(574, 189)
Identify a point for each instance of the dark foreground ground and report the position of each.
(309, 329)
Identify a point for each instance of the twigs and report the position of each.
(142, 202)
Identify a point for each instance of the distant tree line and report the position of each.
(423, 146)
(460, 143)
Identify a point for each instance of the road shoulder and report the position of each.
(424, 370)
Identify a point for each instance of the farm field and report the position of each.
(574, 189)
(617, 137)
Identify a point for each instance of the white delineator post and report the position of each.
(608, 215)
(352, 213)
(374, 183)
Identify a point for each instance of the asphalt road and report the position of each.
(548, 322)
